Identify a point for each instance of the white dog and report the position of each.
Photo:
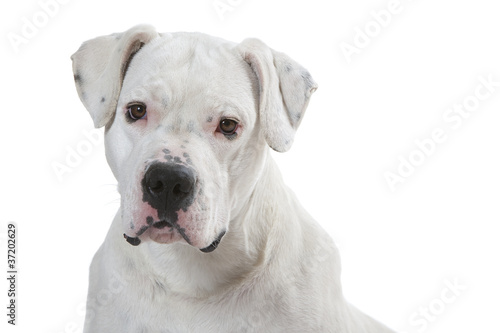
(208, 238)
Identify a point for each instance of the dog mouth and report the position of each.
(162, 224)
(136, 241)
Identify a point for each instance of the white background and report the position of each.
(398, 247)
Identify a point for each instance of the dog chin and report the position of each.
(164, 236)
(171, 235)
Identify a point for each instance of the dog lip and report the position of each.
(214, 244)
(132, 240)
(162, 224)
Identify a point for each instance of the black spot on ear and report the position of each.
(288, 68)
(307, 78)
(103, 99)
(296, 117)
(78, 78)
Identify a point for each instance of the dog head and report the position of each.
(187, 120)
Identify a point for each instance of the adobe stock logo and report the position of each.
(430, 313)
(75, 154)
(224, 6)
(453, 117)
(363, 36)
(32, 25)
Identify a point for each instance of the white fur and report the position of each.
(275, 270)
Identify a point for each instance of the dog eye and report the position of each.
(227, 126)
(136, 111)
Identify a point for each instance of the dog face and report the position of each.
(187, 119)
(187, 112)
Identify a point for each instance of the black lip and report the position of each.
(214, 244)
(132, 240)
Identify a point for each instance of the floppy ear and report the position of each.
(284, 89)
(99, 67)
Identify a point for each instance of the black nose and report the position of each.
(168, 187)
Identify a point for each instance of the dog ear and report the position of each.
(284, 89)
(99, 67)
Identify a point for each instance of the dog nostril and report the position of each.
(177, 189)
(156, 188)
(181, 189)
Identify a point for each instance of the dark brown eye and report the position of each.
(228, 126)
(136, 111)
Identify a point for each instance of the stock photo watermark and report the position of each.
(94, 137)
(453, 118)
(430, 312)
(32, 24)
(10, 238)
(86, 311)
(261, 313)
(221, 7)
(363, 36)
(75, 155)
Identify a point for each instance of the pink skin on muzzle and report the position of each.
(146, 222)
